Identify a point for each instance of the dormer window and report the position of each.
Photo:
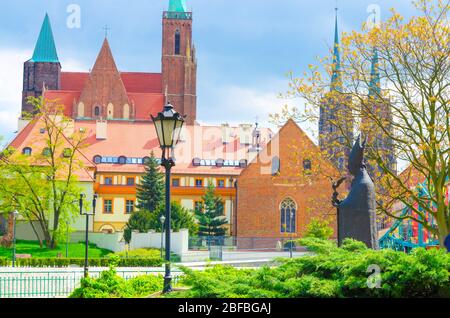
(26, 151)
(46, 152)
(122, 160)
(97, 159)
(307, 165)
(67, 152)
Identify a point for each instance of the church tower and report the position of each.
(43, 69)
(179, 64)
(379, 107)
(335, 119)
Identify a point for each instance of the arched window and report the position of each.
(122, 160)
(126, 111)
(110, 111)
(80, 110)
(177, 42)
(97, 111)
(26, 151)
(288, 210)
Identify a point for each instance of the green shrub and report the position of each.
(331, 272)
(319, 229)
(147, 253)
(4, 261)
(110, 285)
(94, 262)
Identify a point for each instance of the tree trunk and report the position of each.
(7, 239)
(36, 233)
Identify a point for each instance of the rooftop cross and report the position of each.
(106, 29)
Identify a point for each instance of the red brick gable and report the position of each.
(103, 87)
(260, 192)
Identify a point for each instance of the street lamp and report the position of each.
(86, 252)
(15, 214)
(168, 124)
(162, 219)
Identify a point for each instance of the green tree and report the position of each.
(139, 221)
(42, 184)
(150, 191)
(210, 217)
(319, 229)
(180, 217)
(143, 220)
(411, 109)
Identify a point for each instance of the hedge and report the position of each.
(4, 262)
(94, 262)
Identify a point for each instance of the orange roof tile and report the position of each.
(138, 139)
(134, 82)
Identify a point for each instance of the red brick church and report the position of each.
(265, 195)
(107, 93)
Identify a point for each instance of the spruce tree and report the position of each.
(210, 217)
(150, 191)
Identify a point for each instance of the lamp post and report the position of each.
(15, 214)
(168, 124)
(86, 252)
(162, 219)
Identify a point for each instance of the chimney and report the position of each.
(245, 134)
(101, 131)
(226, 133)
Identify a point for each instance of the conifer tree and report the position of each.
(150, 191)
(210, 217)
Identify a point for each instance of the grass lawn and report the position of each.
(76, 250)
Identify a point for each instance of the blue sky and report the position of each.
(244, 47)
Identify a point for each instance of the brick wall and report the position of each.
(260, 193)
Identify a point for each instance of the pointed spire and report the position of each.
(374, 86)
(177, 6)
(105, 59)
(45, 49)
(336, 80)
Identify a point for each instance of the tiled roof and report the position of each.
(138, 139)
(134, 82)
(45, 49)
(66, 98)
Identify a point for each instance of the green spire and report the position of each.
(45, 50)
(336, 80)
(177, 6)
(374, 86)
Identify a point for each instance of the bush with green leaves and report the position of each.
(142, 253)
(331, 272)
(139, 221)
(319, 229)
(94, 262)
(181, 218)
(143, 220)
(110, 285)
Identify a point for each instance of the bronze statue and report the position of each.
(356, 214)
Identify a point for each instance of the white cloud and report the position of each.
(236, 105)
(11, 64)
(11, 77)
